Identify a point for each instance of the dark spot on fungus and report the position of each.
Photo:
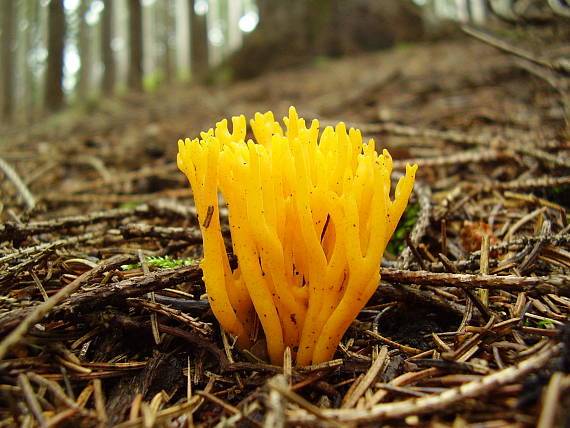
(208, 218)
(325, 227)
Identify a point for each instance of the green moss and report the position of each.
(544, 323)
(408, 220)
(536, 324)
(222, 75)
(404, 46)
(162, 262)
(558, 194)
(151, 82)
(129, 205)
(322, 60)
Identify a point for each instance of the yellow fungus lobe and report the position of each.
(309, 220)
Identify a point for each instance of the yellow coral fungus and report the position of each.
(309, 220)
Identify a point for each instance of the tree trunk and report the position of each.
(108, 82)
(166, 27)
(198, 44)
(135, 78)
(182, 19)
(56, 38)
(32, 13)
(8, 20)
(84, 52)
(234, 33)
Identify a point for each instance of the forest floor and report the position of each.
(469, 327)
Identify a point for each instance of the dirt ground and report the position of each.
(468, 328)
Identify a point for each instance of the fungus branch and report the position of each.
(309, 219)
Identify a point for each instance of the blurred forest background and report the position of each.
(73, 52)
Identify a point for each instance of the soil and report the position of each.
(469, 326)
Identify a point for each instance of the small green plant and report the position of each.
(151, 82)
(537, 324)
(161, 262)
(559, 194)
(404, 46)
(544, 323)
(397, 243)
(322, 60)
(129, 205)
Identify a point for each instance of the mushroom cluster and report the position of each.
(309, 219)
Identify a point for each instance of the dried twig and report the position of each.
(165, 414)
(197, 325)
(44, 308)
(453, 136)
(420, 227)
(554, 239)
(489, 155)
(276, 405)
(141, 230)
(57, 391)
(17, 231)
(367, 380)
(41, 248)
(100, 401)
(436, 402)
(114, 293)
(527, 183)
(310, 409)
(555, 284)
(557, 160)
(23, 190)
(514, 50)
(31, 398)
